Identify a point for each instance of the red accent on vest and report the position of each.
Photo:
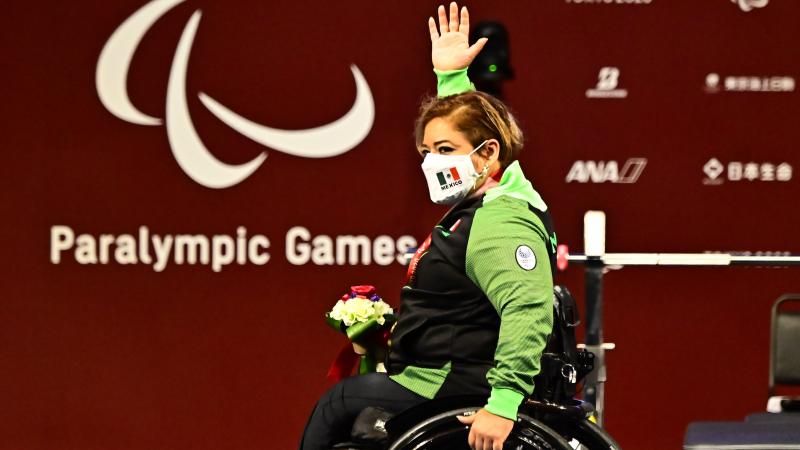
(412, 267)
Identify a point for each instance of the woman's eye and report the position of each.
(445, 149)
(424, 152)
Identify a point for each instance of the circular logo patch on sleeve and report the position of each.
(525, 257)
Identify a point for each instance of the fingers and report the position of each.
(477, 443)
(476, 48)
(498, 445)
(471, 440)
(463, 27)
(443, 28)
(452, 24)
(432, 29)
(466, 420)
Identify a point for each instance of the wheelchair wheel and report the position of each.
(445, 432)
(588, 434)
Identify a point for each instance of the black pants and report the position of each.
(333, 417)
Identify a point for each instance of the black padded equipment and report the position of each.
(785, 353)
(742, 436)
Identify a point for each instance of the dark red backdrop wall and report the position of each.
(113, 356)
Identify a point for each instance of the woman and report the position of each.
(477, 307)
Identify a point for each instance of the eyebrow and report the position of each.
(439, 142)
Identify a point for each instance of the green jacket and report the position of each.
(478, 307)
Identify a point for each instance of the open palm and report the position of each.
(450, 49)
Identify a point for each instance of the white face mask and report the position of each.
(450, 177)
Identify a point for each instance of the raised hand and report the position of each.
(450, 47)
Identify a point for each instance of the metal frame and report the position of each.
(596, 262)
(683, 259)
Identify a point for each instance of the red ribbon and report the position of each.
(344, 364)
(347, 360)
(412, 267)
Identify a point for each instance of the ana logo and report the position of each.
(748, 5)
(448, 178)
(188, 149)
(606, 171)
(607, 82)
(525, 257)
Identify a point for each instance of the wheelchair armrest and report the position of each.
(574, 409)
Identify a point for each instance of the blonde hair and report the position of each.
(479, 116)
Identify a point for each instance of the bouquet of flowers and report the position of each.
(366, 320)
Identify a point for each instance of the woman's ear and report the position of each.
(491, 151)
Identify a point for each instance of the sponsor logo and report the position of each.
(448, 178)
(742, 83)
(712, 83)
(734, 171)
(609, 2)
(749, 5)
(192, 156)
(525, 257)
(607, 82)
(606, 171)
(713, 169)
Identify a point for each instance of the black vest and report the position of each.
(444, 317)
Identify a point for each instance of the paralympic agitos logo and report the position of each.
(193, 157)
(749, 5)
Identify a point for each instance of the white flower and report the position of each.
(382, 308)
(360, 309)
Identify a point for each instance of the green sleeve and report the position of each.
(452, 82)
(508, 259)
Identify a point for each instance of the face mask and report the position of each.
(450, 177)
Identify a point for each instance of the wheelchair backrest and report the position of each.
(565, 319)
(562, 365)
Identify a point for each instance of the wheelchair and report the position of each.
(550, 419)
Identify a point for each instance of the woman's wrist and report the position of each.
(504, 403)
(452, 82)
